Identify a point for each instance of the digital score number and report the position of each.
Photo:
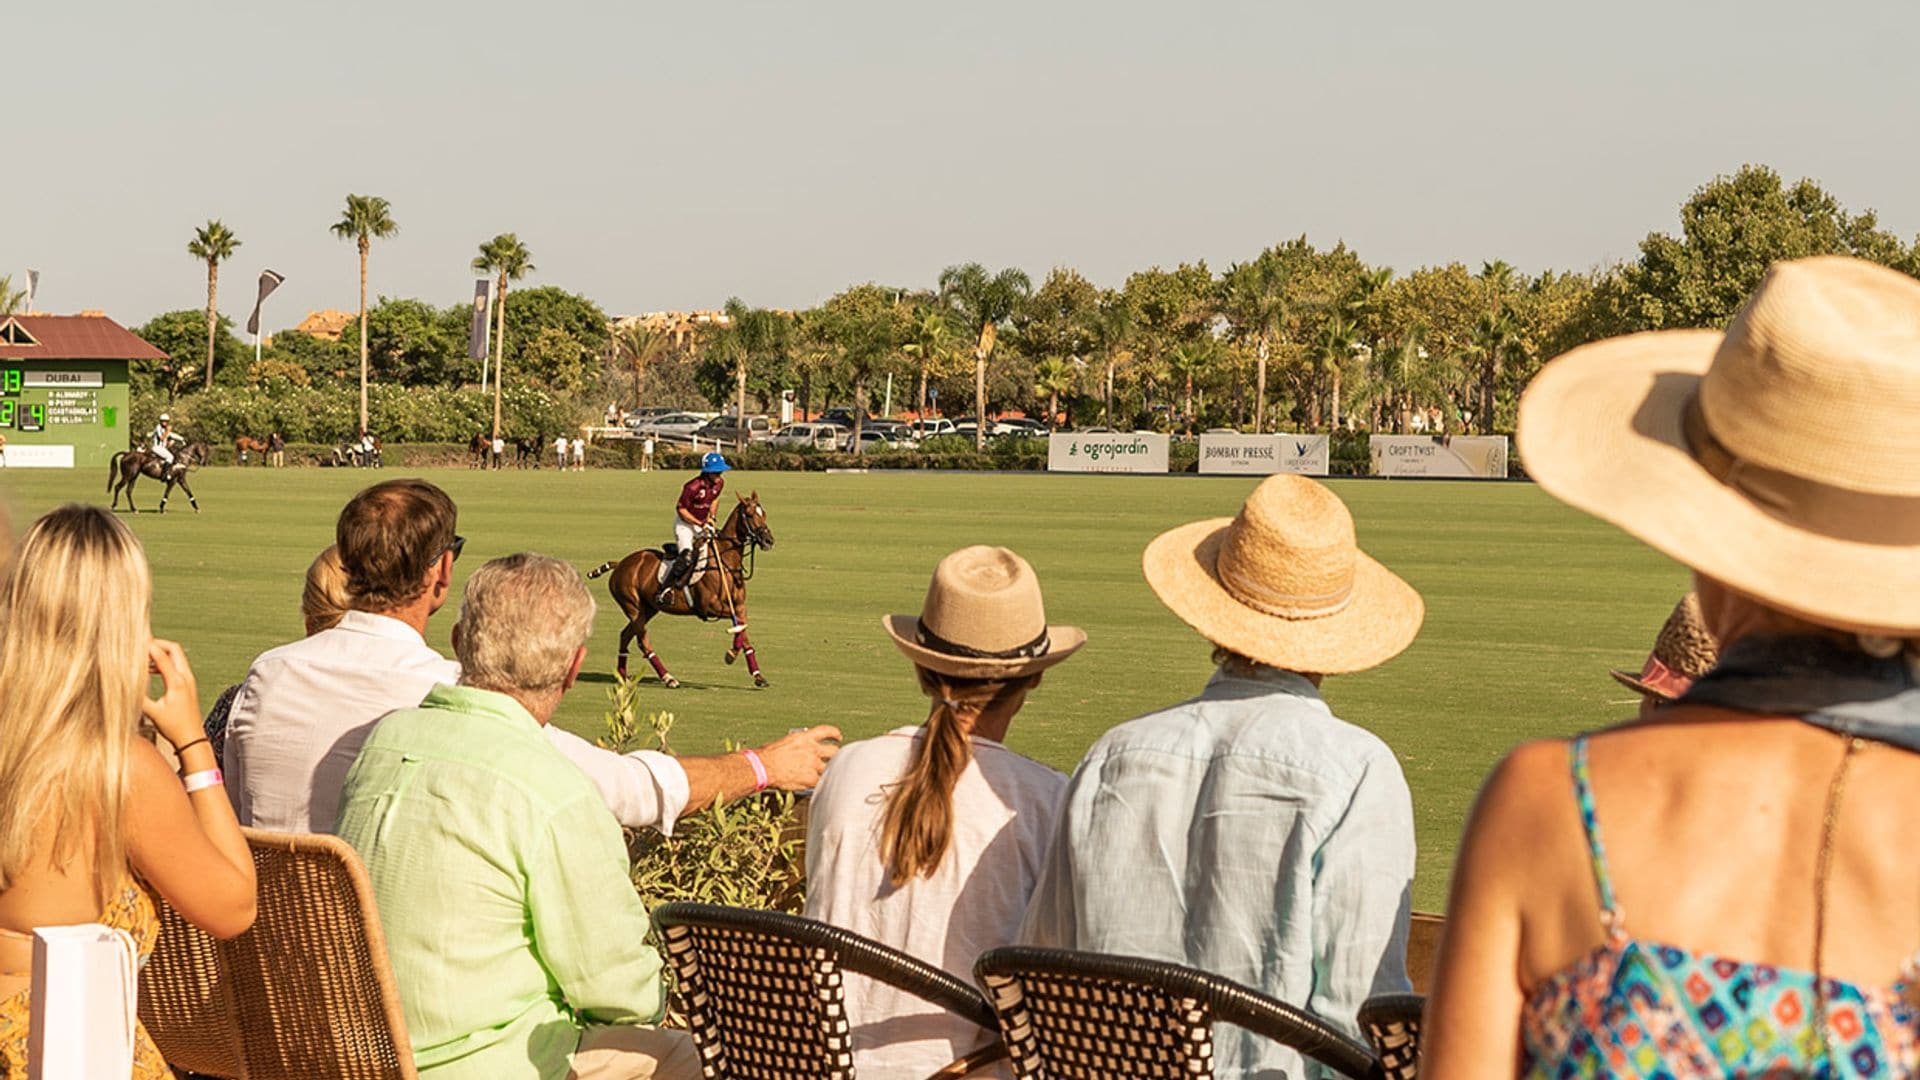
(14, 413)
(11, 380)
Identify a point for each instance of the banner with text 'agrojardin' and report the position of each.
(1264, 455)
(1464, 457)
(1138, 453)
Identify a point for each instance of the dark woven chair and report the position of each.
(186, 1001)
(763, 997)
(1392, 1024)
(1086, 1016)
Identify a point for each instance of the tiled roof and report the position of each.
(75, 337)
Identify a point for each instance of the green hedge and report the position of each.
(327, 415)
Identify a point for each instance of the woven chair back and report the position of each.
(310, 982)
(763, 994)
(1392, 1025)
(1066, 1026)
(186, 1000)
(1069, 1015)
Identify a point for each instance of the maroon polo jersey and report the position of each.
(701, 492)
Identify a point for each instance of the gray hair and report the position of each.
(520, 621)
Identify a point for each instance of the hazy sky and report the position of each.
(669, 155)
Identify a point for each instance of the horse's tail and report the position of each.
(601, 569)
(113, 468)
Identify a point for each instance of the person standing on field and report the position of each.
(560, 452)
(646, 455)
(579, 454)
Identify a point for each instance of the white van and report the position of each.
(927, 429)
(818, 436)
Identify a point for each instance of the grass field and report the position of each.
(1528, 603)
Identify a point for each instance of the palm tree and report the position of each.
(508, 260)
(1494, 336)
(1111, 327)
(1333, 350)
(366, 218)
(1253, 296)
(11, 299)
(1188, 359)
(1054, 377)
(983, 302)
(929, 346)
(212, 243)
(641, 346)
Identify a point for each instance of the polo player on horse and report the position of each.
(693, 521)
(160, 442)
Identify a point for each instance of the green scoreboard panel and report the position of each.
(63, 413)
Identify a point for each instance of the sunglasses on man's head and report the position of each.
(458, 543)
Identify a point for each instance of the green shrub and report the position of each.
(746, 853)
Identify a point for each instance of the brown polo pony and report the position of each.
(128, 466)
(717, 592)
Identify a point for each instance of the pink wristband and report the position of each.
(204, 779)
(759, 769)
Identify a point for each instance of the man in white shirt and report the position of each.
(299, 719)
(560, 452)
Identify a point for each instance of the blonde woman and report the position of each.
(928, 838)
(88, 803)
(1754, 909)
(323, 600)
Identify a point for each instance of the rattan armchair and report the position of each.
(1087, 1016)
(306, 992)
(763, 997)
(1392, 1024)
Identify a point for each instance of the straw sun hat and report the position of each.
(1284, 584)
(983, 619)
(1684, 651)
(1781, 458)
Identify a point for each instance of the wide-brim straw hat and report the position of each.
(1778, 458)
(1684, 650)
(983, 619)
(1284, 583)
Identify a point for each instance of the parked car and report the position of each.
(927, 429)
(1099, 431)
(818, 436)
(1020, 426)
(727, 429)
(894, 430)
(678, 426)
(842, 417)
(871, 440)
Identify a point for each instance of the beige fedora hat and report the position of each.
(1781, 458)
(1284, 583)
(983, 619)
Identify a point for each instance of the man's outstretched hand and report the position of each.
(795, 761)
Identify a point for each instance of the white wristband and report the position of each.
(204, 779)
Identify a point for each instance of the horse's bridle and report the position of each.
(752, 540)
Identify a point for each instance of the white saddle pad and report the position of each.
(699, 565)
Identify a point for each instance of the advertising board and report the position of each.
(1264, 455)
(1462, 457)
(1113, 453)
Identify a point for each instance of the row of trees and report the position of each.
(1295, 337)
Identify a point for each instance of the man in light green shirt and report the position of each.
(516, 937)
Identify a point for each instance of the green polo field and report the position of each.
(1528, 603)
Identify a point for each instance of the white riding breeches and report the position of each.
(163, 453)
(684, 534)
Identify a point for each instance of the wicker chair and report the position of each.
(1086, 1016)
(763, 997)
(1392, 1024)
(306, 992)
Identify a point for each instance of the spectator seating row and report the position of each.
(308, 992)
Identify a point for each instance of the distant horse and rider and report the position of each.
(128, 466)
(717, 588)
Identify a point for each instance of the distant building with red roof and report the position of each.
(63, 388)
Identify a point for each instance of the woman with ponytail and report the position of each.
(929, 837)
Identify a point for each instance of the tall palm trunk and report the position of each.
(920, 401)
(365, 245)
(740, 399)
(500, 347)
(1260, 387)
(980, 391)
(859, 410)
(213, 312)
(1107, 414)
(1334, 378)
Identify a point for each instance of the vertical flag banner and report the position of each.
(33, 286)
(269, 281)
(477, 333)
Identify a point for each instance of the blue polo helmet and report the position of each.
(714, 462)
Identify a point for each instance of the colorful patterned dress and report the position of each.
(131, 910)
(1642, 1009)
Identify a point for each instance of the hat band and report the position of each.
(1858, 516)
(1259, 596)
(928, 639)
(1664, 680)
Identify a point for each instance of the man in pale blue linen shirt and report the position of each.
(1249, 832)
(517, 940)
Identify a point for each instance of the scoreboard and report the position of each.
(63, 413)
